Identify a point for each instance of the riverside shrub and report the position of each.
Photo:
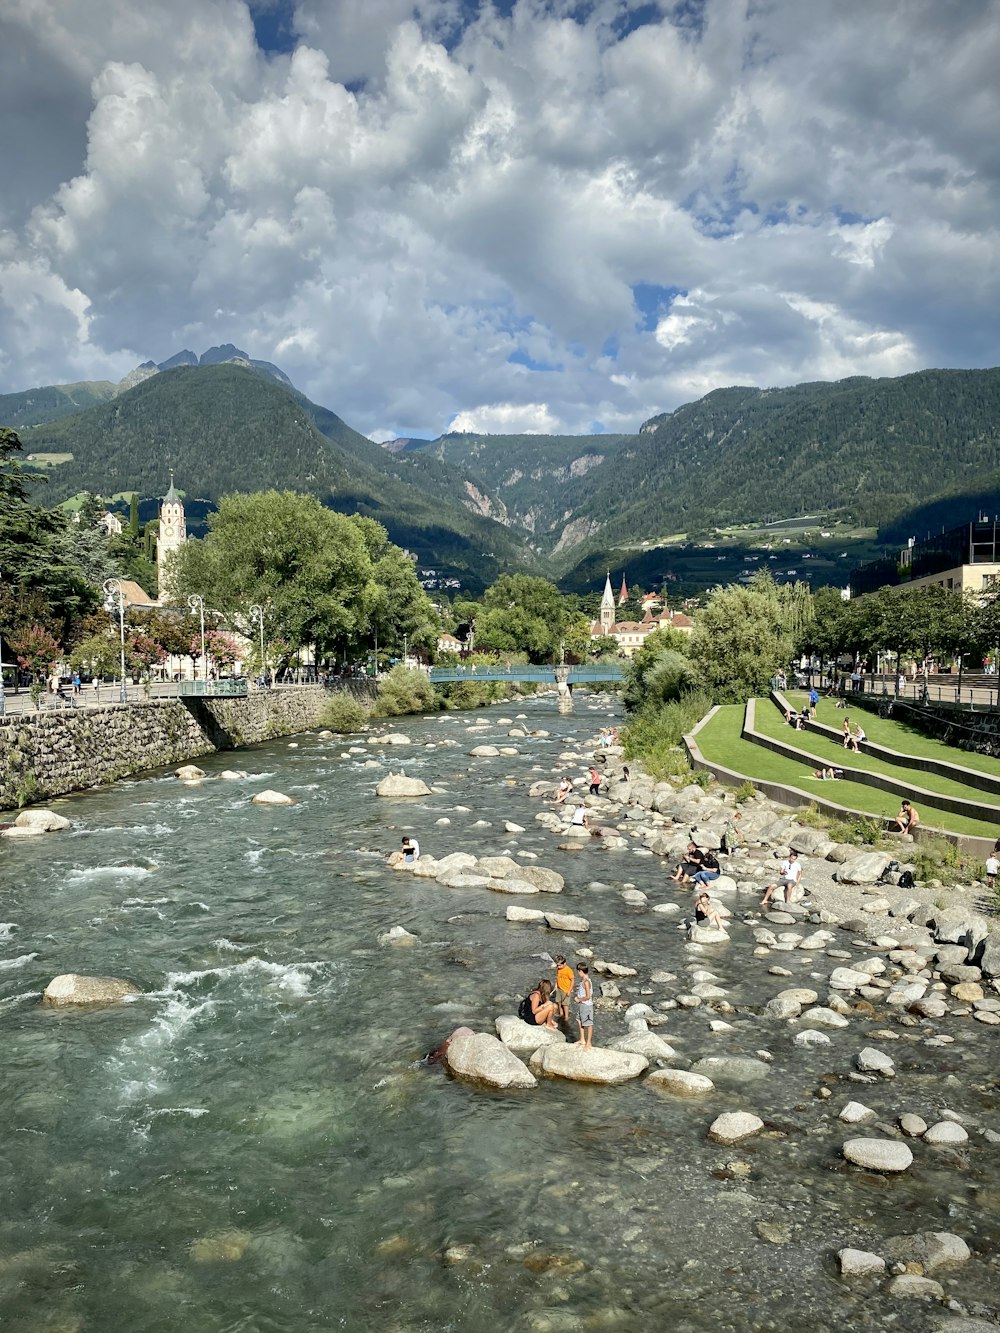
(654, 735)
(344, 713)
(404, 691)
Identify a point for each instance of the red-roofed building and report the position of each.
(630, 635)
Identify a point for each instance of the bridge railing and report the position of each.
(213, 689)
(539, 674)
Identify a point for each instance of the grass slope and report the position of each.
(721, 743)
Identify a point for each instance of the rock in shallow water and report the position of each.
(878, 1154)
(681, 1082)
(734, 1126)
(731, 1068)
(72, 988)
(483, 1058)
(859, 1263)
(398, 784)
(525, 1038)
(597, 1065)
(272, 798)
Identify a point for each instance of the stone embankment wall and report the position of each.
(49, 754)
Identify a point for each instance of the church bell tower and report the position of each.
(173, 535)
(608, 607)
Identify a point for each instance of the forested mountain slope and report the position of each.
(31, 407)
(227, 428)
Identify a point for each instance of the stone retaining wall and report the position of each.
(49, 755)
(962, 727)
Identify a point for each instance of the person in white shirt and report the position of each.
(992, 870)
(789, 874)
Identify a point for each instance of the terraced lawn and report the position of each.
(832, 752)
(897, 735)
(721, 743)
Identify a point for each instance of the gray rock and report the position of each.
(856, 1113)
(946, 1134)
(498, 867)
(864, 869)
(734, 1126)
(731, 1068)
(848, 978)
(484, 752)
(73, 988)
(597, 1065)
(397, 936)
(707, 935)
(913, 1126)
(544, 880)
(644, 1043)
(809, 841)
(909, 1284)
(526, 914)
(878, 1154)
(563, 921)
(512, 886)
(44, 821)
(525, 1038)
(681, 1082)
(872, 1061)
(483, 1058)
(189, 773)
(398, 784)
(933, 1250)
(859, 1263)
(821, 1017)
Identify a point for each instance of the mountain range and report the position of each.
(904, 455)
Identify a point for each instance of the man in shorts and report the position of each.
(563, 992)
(585, 1005)
(789, 874)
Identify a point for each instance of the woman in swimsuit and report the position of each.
(543, 1010)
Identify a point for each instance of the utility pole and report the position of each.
(197, 603)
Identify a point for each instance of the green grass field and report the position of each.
(831, 752)
(721, 743)
(897, 735)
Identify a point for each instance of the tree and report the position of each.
(307, 566)
(744, 636)
(660, 670)
(396, 604)
(97, 653)
(37, 652)
(522, 613)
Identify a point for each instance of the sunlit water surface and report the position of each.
(252, 1145)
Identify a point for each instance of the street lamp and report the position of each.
(197, 603)
(257, 618)
(404, 650)
(116, 602)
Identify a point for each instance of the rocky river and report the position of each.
(253, 1143)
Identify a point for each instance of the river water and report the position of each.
(252, 1145)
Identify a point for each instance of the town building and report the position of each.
(447, 643)
(963, 559)
(172, 536)
(630, 635)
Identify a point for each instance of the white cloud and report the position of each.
(819, 184)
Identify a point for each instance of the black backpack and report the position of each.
(524, 1010)
(906, 880)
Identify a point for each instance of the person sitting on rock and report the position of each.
(580, 817)
(710, 870)
(543, 1009)
(563, 790)
(409, 850)
(906, 821)
(706, 913)
(789, 874)
(689, 866)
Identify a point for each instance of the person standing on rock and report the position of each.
(564, 985)
(584, 1005)
(594, 778)
(789, 874)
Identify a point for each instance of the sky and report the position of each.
(525, 215)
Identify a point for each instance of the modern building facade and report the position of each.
(964, 559)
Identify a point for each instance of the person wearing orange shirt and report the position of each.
(564, 985)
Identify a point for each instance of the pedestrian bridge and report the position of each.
(590, 672)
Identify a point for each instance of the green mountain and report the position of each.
(860, 449)
(33, 407)
(225, 427)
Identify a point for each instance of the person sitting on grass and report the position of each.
(543, 1009)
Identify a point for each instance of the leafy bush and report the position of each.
(746, 791)
(655, 733)
(404, 691)
(344, 713)
(700, 777)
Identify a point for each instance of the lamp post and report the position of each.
(116, 602)
(257, 618)
(197, 603)
(404, 651)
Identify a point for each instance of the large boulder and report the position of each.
(73, 988)
(43, 821)
(483, 1058)
(867, 868)
(498, 867)
(395, 738)
(272, 798)
(644, 1043)
(808, 841)
(398, 784)
(189, 773)
(530, 915)
(511, 886)
(525, 1038)
(453, 861)
(933, 1250)
(597, 1065)
(484, 752)
(707, 935)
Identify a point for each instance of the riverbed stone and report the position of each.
(565, 921)
(189, 773)
(529, 915)
(598, 1065)
(644, 1043)
(913, 1285)
(859, 1263)
(516, 886)
(270, 797)
(681, 1082)
(525, 1038)
(498, 867)
(74, 988)
(946, 1133)
(734, 1126)
(933, 1250)
(483, 1058)
(878, 1154)
(707, 935)
(864, 869)
(544, 880)
(398, 936)
(872, 1061)
(856, 1113)
(484, 752)
(731, 1068)
(398, 784)
(41, 820)
(848, 978)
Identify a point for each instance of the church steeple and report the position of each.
(608, 606)
(172, 536)
(623, 595)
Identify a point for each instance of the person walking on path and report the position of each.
(585, 1005)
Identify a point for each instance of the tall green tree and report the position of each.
(744, 636)
(522, 613)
